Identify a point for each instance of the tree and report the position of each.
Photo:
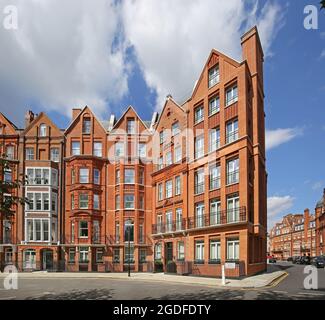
(7, 190)
(322, 4)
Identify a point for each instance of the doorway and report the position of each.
(47, 260)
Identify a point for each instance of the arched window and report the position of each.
(42, 130)
(129, 231)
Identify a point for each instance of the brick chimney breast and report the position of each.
(29, 117)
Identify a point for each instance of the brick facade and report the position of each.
(320, 226)
(294, 236)
(184, 192)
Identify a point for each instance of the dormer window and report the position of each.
(86, 126)
(214, 76)
(42, 130)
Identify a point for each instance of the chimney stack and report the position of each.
(29, 117)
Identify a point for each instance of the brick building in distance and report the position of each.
(183, 193)
(320, 226)
(295, 235)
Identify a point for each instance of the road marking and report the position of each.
(278, 291)
(311, 293)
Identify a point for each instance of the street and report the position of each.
(291, 288)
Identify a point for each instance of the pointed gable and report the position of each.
(42, 119)
(226, 66)
(171, 111)
(7, 127)
(129, 114)
(77, 122)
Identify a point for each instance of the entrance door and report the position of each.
(169, 252)
(47, 260)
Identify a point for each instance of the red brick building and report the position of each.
(9, 142)
(295, 235)
(184, 192)
(320, 226)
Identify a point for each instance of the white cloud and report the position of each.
(317, 185)
(322, 55)
(276, 137)
(62, 56)
(172, 39)
(73, 53)
(277, 207)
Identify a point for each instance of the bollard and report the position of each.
(223, 274)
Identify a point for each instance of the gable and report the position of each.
(171, 112)
(77, 122)
(226, 66)
(9, 127)
(32, 129)
(130, 113)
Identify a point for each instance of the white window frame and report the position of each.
(75, 148)
(84, 175)
(213, 76)
(199, 147)
(233, 91)
(128, 177)
(198, 114)
(178, 186)
(98, 149)
(199, 251)
(233, 249)
(215, 250)
(214, 139)
(132, 207)
(214, 105)
(169, 189)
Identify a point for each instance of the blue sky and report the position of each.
(119, 53)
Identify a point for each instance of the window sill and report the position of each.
(213, 114)
(198, 122)
(199, 262)
(231, 184)
(231, 103)
(217, 261)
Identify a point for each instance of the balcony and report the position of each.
(171, 227)
(221, 218)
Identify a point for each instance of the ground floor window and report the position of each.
(116, 256)
(233, 249)
(99, 255)
(143, 255)
(83, 255)
(72, 255)
(30, 259)
(215, 250)
(8, 255)
(129, 254)
(199, 251)
(158, 251)
(180, 250)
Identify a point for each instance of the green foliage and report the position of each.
(7, 190)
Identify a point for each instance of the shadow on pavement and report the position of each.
(96, 294)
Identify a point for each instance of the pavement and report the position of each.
(258, 281)
(93, 286)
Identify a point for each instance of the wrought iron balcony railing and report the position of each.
(224, 217)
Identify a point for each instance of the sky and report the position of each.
(109, 54)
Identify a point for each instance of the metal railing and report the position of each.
(233, 177)
(232, 136)
(199, 188)
(224, 217)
